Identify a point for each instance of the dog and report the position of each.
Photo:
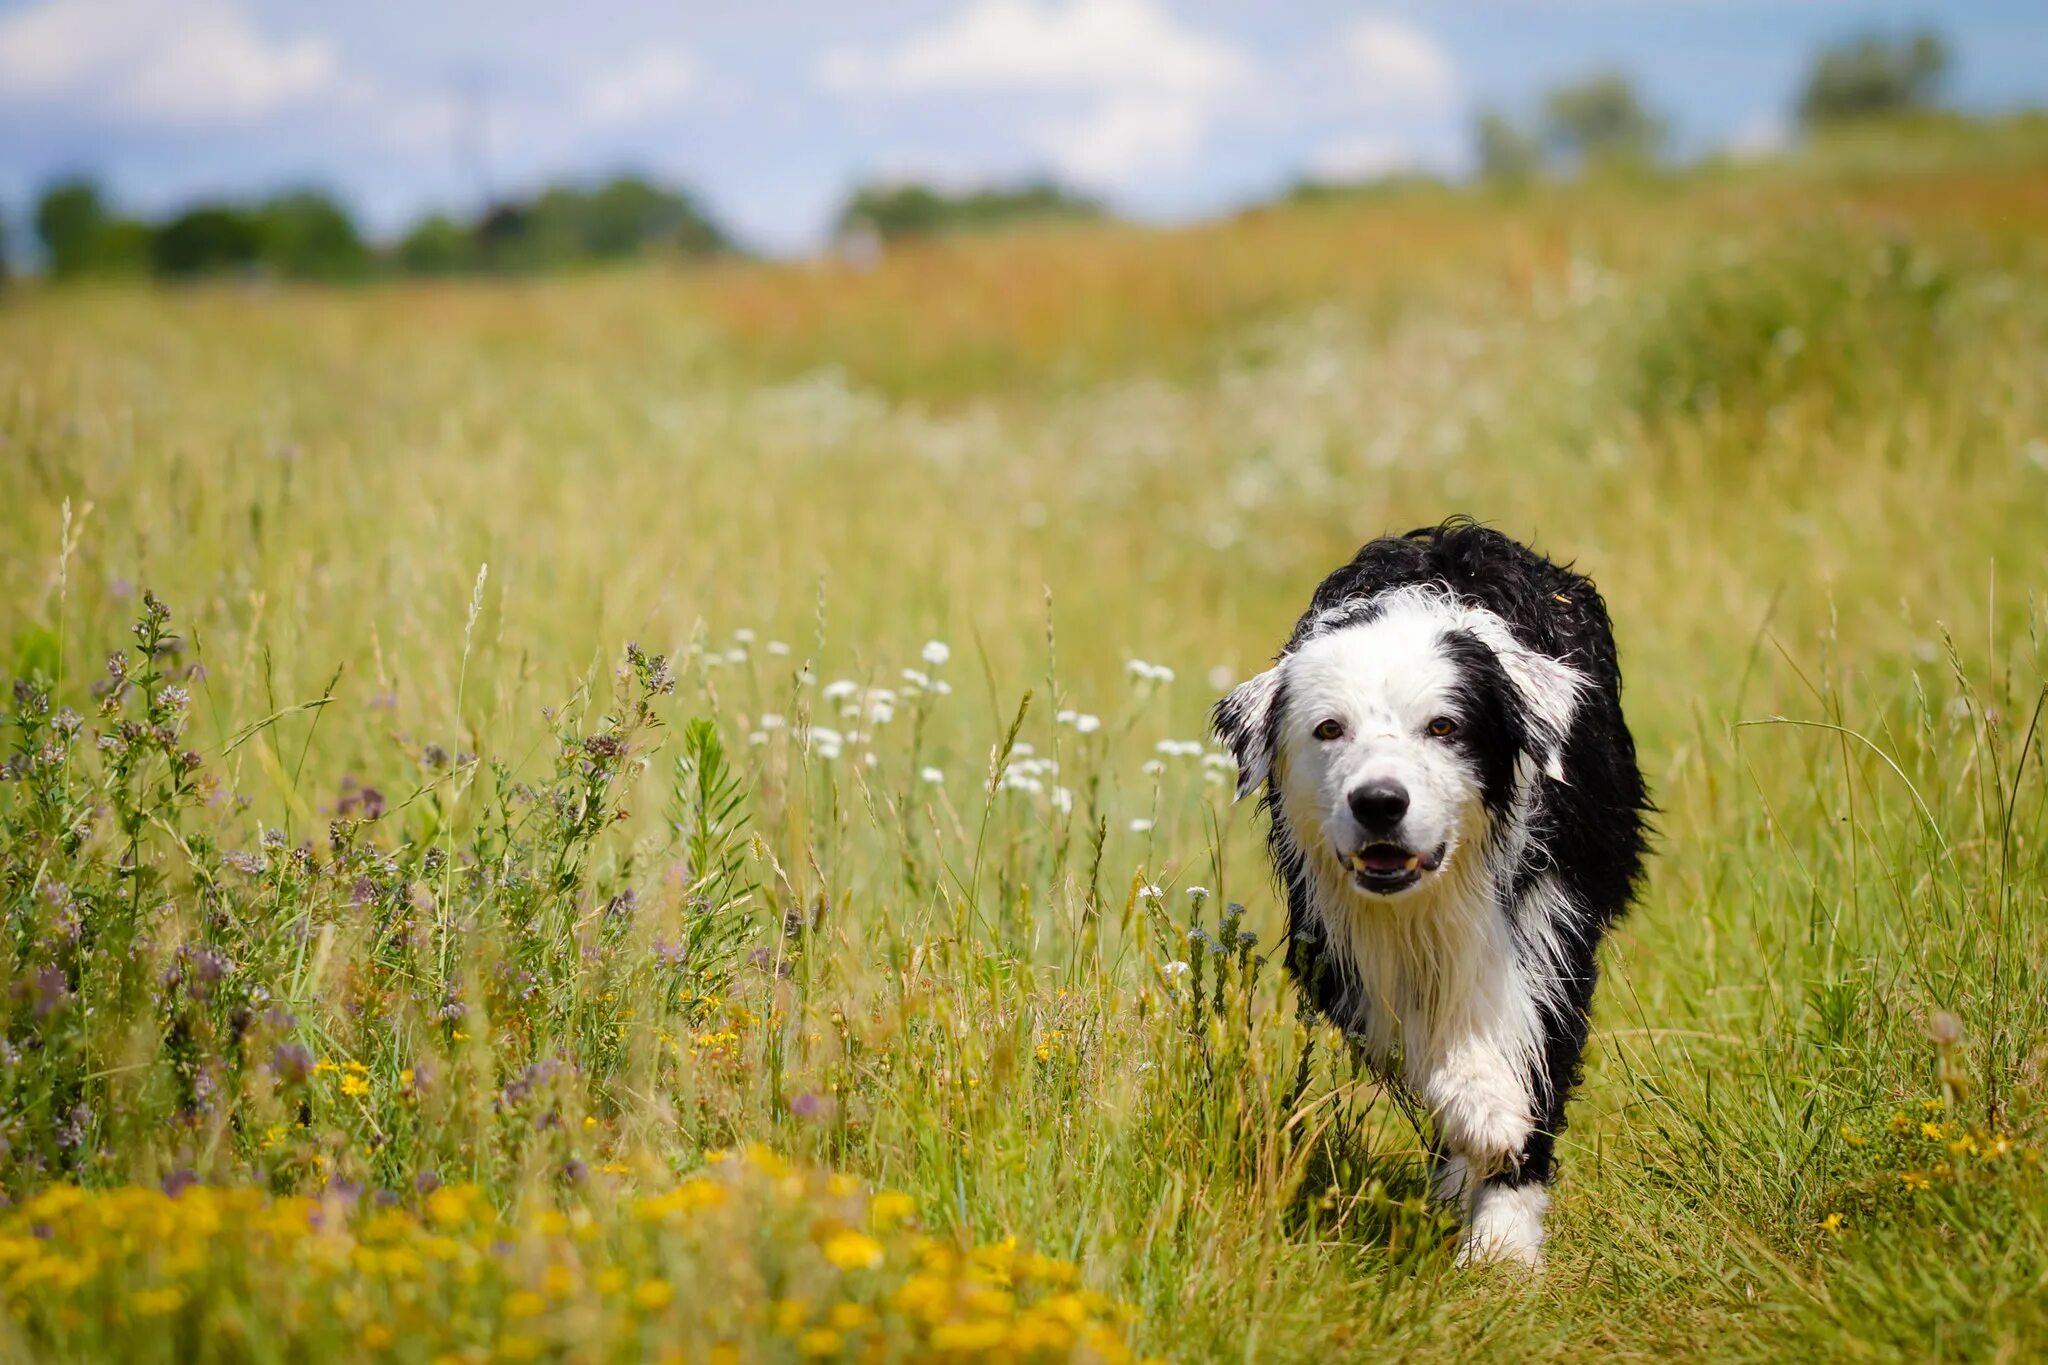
(1457, 817)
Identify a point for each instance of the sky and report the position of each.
(773, 110)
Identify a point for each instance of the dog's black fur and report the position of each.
(1592, 828)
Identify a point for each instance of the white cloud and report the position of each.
(1102, 47)
(1361, 156)
(1124, 139)
(1393, 65)
(1141, 90)
(654, 82)
(177, 61)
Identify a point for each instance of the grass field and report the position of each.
(405, 960)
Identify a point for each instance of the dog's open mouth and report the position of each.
(1386, 868)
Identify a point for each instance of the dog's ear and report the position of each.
(1549, 690)
(1243, 720)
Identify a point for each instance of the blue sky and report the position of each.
(772, 110)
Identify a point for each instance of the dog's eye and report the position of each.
(1330, 729)
(1443, 726)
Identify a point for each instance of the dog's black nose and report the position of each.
(1379, 806)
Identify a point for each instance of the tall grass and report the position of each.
(795, 869)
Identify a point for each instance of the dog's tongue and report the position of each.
(1384, 859)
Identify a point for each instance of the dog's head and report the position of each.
(1395, 731)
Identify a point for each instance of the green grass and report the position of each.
(604, 916)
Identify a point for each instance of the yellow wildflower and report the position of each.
(850, 1250)
(852, 1317)
(653, 1295)
(1914, 1181)
(354, 1086)
(1834, 1222)
(524, 1303)
(891, 1207)
(968, 1338)
(150, 1303)
(1931, 1131)
(818, 1343)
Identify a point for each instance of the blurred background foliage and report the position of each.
(1601, 124)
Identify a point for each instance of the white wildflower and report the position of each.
(1150, 893)
(935, 776)
(1141, 826)
(840, 688)
(1153, 767)
(743, 635)
(1062, 799)
(779, 648)
(1087, 724)
(772, 721)
(936, 652)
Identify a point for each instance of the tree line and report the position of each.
(1599, 121)
(1603, 122)
(308, 234)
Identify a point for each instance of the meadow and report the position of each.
(670, 815)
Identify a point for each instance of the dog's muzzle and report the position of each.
(1384, 869)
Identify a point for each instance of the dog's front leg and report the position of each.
(1479, 1095)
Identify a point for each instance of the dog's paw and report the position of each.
(1481, 1104)
(1507, 1226)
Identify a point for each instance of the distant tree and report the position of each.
(570, 224)
(627, 215)
(1507, 152)
(308, 235)
(504, 238)
(910, 209)
(80, 236)
(1873, 75)
(1601, 120)
(436, 245)
(206, 239)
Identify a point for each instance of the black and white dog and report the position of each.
(1457, 817)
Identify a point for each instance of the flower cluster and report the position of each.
(750, 1253)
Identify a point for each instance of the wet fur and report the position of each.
(1477, 996)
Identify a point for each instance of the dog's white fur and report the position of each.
(1450, 990)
